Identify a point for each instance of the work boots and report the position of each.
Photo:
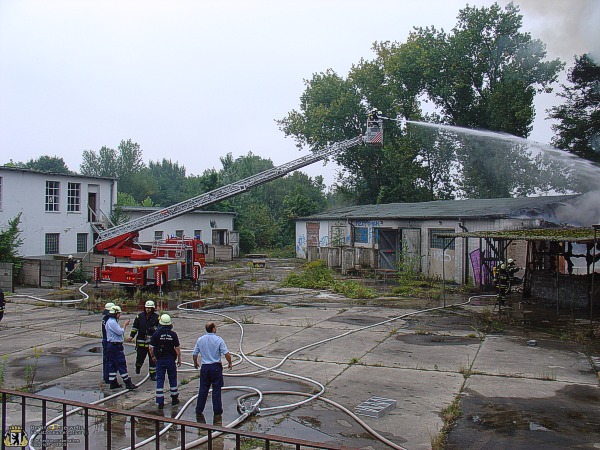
(114, 384)
(129, 384)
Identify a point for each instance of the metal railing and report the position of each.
(79, 427)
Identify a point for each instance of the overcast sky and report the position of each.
(194, 80)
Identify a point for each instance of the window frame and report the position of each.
(73, 197)
(52, 247)
(52, 197)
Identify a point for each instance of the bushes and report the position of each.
(316, 275)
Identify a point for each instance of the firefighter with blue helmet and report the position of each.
(144, 326)
(116, 355)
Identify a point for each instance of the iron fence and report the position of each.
(86, 426)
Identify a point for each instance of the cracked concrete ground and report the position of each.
(513, 395)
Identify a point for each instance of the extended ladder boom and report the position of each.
(223, 193)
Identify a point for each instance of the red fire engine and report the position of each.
(177, 258)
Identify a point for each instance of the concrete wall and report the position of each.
(6, 277)
(575, 288)
(46, 273)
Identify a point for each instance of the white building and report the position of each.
(212, 227)
(57, 211)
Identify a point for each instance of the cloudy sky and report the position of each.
(193, 80)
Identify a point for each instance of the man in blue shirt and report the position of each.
(210, 347)
(164, 350)
(116, 355)
(105, 317)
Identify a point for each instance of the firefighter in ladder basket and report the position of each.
(374, 135)
(144, 326)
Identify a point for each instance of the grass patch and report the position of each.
(450, 414)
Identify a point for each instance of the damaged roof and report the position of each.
(494, 208)
(578, 235)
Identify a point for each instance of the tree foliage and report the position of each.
(10, 241)
(51, 164)
(482, 74)
(578, 129)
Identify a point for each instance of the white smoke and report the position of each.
(584, 211)
(567, 27)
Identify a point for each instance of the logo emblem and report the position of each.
(15, 437)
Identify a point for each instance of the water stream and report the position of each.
(485, 164)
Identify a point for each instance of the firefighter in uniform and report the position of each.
(504, 278)
(166, 354)
(144, 326)
(2, 304)
(105, 318)
(116, 355)
(70, 268)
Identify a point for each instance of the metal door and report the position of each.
(388, 248)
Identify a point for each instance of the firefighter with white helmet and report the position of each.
(105, 317)
(116, 356)
(165, 352)
(144, 326)
(70, 268)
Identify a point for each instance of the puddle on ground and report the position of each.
(435, 339)
(84, 396)
(47, 367)
(356, 320)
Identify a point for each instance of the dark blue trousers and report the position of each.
(105, 361)
(165, 366)
(116, 361)
(211, 375)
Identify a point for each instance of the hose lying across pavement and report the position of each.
(254, 407)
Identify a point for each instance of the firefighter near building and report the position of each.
(177, 258)
(503, 277)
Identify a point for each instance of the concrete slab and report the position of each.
(549, 360)
(421, 362)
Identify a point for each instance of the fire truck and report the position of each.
(176, 258)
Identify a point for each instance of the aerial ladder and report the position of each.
(121, 241)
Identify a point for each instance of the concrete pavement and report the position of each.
(423, 362)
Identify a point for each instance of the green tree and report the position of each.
(50, 164)
(485, 73)
(170, 181)
(104, 163)
(10, 241)
(578, 129)
(125, 164)
(129, 166)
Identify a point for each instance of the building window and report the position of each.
(82, 240)
(179, 234)
(361, 235)
(74, 197)
(435, 241)
(159, 235)
(198, 234)
(52, 195)
(0, 193)
(51, 243)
